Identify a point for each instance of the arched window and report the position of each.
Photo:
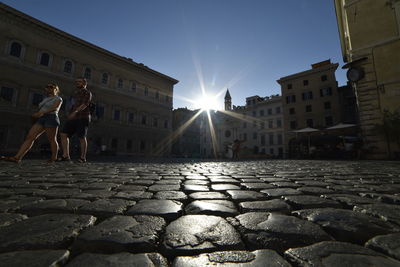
(88, 73)
(68, 66)
(44, 59)
(104, 78)
(120, 83)
(15, 49)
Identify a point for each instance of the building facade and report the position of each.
(310, 99)
(370, 40)
(133, 102)
(186, 128)
(258, 125)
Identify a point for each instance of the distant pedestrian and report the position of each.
(236, 148)
(46, 120)
(78, 120)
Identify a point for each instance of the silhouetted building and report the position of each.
(369, 36)
(310, 99)
(134, 102)
(186, 127)
(258, 125)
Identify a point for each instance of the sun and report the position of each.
(207, 102)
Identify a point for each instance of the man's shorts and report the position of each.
(49, 121)
(76, 126)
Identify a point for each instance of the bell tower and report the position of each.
(228, 100)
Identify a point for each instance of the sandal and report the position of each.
(81, 160)
(64, 159)
(11, 159)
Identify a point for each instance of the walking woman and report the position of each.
(47, 121)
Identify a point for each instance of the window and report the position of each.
(328, 121)
(254, 113)
(133, 87)
(290, 99)
(255, 135)
(7, 94)
(308, 108)
(270, 111)
(104, 78)
(129, 145)
(166, 98)
(262, 125)
(87, 73)
(157, 95)
(146, 91)
(271, 138)
(142, 146)
(310, 123)
(166, 124)
(144, 119)
(327, 105)
(280, 151)
(245, 125)
(16, 49)
(227, 133)
(262, 139)
(289, 86)
(326, 91)
(324, 78)
(99, 111)
(280, 139)
(155, 122)
(278, 110)
(120, 83)
(245, 136)
(278, 123)
(270, 124)
(44, 59)
(293, 125)
(261, 112)
(130, 117)
(292, 111)
(307, 95)
(114, 143)
(68, 66)
(305, 82)
(254, 124)
(117, 115)
(36, 99)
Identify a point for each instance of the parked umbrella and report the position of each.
(307, 130)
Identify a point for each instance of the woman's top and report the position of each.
(48, 102)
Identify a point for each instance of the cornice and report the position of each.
(332, 66)
(24, 18)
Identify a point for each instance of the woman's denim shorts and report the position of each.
(49, 121)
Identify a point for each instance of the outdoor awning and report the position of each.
(306, 130)
(341, 126)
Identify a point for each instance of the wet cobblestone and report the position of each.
(250, 213)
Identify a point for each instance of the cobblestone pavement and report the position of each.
(251, 213)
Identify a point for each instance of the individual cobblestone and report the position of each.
(331, 254)
(214, 212)
(34, 258)
(255, 258)
(118, 260)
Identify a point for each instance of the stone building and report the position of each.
(258, 124)
(186, 128)
(370, 40)
(310, 99)
(134, 102)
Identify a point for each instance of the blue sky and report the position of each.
(245, 45)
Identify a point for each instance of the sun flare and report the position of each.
(207, 102)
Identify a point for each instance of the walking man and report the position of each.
(77, 121)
